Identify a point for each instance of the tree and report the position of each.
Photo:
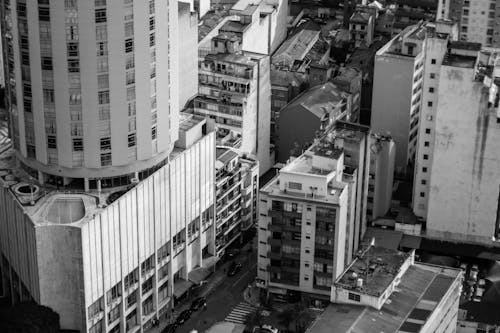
(28, 317)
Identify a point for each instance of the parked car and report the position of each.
(265, 329)
(183, 317)
(234, 269)
(169, 328)
(198, 303)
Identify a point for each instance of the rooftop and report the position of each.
(225, 155)
(210, 20)
(296, 46)
(458, 60)
(234, 26)
(287, 78)
(188, 120)
(242, 59)
(319, 100)
(407, 309)
(461, 45)
(377, 266)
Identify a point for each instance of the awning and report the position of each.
(209, 262)
(279, 291)
(181, 286)
(199, 274)
(411, 241)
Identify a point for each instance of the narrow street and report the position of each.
(225, 302)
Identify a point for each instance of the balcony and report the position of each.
(275, 227)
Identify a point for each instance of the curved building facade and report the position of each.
(92, 88)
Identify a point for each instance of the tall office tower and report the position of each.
(476, 19)
(464, 196)
(305, 224)
(83, 78)
(398, 87)
(135, 222)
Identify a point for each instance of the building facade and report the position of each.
(111, 261)
(303, 225)
(476, 19)
(237, 183)
(77, 115)
(464, 204)
(235, 95)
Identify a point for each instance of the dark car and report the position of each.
(183, 317)
(198, 303)
(169, 328)
(234, 269)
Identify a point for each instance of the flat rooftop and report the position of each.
(406, 310)
(188, 120)
(458, 60)
(377, 267)
(225, 155)
(210, 20)
(243, 59)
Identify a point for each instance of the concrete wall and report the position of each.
(465, 173)
(264, 116)
(392, 91)
(188, 54)
(384, 178)
(296, 125)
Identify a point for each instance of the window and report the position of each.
(152, 23)
(354, 297)
(131, 279)
(51, 142)
(427, 131)
(129, 45)
(295, 186)
(131, 299)
(44, 14)
(426, 144)
(114, 293)
(432, 75)
(147, 265)
(153, 133)
(429, 104)
(426, 157)
(103, 82)
(131, 140)
(431, 89)
(129, 29)
(114, 314)
(97, 328)
(72, 49)
(100, 15)
(47, 63)
(106, 143)
(102, 48)
(422, 194)
(152, 39)
(423, 182)
(105, 159)
(96, 307)
(73, 66)
(424, 169)
(147, 286)
(103, 97)
(433, 61)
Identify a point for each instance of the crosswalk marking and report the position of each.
(239, 313)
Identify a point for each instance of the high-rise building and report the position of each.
(234, 95)
(107, 203)
(78, 116)
(398, 86)
(464, 197)
(476, 19)
(236, 190)
(304, 224)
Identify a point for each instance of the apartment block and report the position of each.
(476, 19)
(362, 25)
(303, 225)
(387, 291)
(463, 204)
(237, 183)
(234, 94)
(111, 260)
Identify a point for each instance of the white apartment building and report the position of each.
(476, 19)
(237, 184)
(82, 87)
(464, 196)
(438, 36)
(303, 225)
